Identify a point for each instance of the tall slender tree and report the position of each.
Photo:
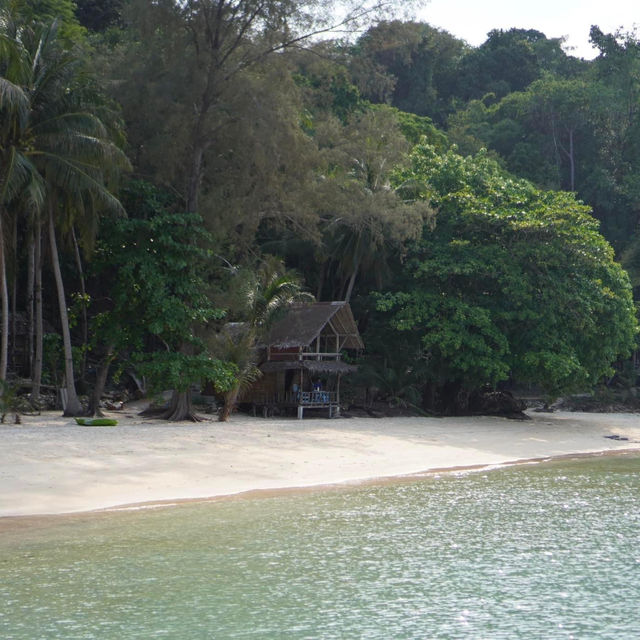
(21, 185)
(58, 154)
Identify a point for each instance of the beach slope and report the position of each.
(50, 465)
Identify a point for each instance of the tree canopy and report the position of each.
(511, 282)
(444, 190)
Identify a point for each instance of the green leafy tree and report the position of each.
(561, 112)
(159, 302)
(409, 65)
(46, 11)
(57, 152)
(512, 281)
(571, 128)
(98, 15)
(544, 133)
(510, 61)
(199, 77)
(611, 185)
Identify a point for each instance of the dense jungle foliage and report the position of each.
(168, 166)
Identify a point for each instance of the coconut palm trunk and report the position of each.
(4, 304)
(13, 331)
(36, 375)
(83, 293)
(31, 285)
(73, 406)
(230, 399)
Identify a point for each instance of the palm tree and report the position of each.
(265, 294)
(356, 247)
(60, 157)
(20, 181)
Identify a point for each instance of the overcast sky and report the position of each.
(471, 20)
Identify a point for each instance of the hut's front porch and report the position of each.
(296, 401)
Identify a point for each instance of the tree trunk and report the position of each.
(572, 162)
(229, 404)
(31, 283)
(101, 381)
(180, 408)
(195, 176)
(352, 280)
(4, 304)
(73, 406)
(199, 134)
(14, 296)
(36, 374)
(556, 148)
(323, 269)
(83, 292)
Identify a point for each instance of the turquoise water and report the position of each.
(536, 551)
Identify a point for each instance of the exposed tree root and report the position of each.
(174, 416)
(180, 409)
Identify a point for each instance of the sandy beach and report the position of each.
(49, 465)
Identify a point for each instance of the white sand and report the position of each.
(50, 465)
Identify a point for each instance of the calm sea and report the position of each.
(535, 551)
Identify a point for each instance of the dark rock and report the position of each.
(498, 403)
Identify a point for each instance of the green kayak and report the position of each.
(97, 422)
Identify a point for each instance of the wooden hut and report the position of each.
(302, 359)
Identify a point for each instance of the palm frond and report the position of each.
(87, 151)
(67, 175)
(77, 121)
(20, 179)
(53, 144)
(13, 101)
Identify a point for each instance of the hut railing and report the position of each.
(306, 355)
(321, 398)
(296, 398)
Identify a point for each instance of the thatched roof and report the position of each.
(328, 367)
(303, 323)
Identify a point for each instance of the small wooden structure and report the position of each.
(302, 359)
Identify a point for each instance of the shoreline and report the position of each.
(13, 523)
(337, 486)
(50, 467)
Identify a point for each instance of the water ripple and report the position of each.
(544, 551)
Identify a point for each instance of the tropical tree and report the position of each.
(258, 298)
(21, 186)
(98, 15)
(182, 68)
(512, 281)
(156, 267)
(29, 12)
(509, 61)
(411, 65)
(365, 218)
(60, 156)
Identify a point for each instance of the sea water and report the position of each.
(532, 551)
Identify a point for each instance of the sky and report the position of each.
(471, 20)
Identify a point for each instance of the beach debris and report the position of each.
(113, 405)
